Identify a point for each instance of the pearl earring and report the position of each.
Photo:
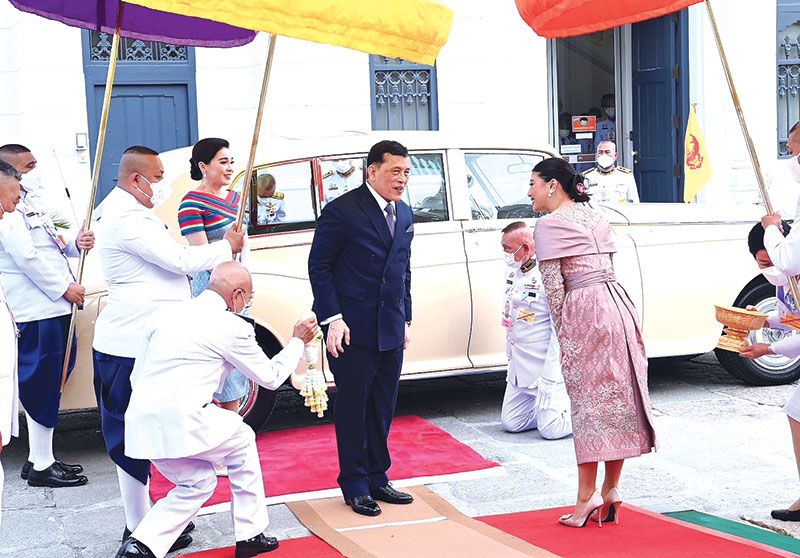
(550, 194)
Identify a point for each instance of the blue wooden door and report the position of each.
(153, 102)
(660, 106)
(156, 116)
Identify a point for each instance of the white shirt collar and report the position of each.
(211, 298)
(379, 199)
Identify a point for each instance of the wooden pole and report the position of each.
(743, 124)
(256, 132)
(98, 157)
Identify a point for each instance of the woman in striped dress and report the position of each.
(204, 215)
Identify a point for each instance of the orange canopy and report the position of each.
(567, 18)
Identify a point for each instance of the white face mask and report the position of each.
(161, 191)
(605, 161)
(794, 168)
(611, 112)
(563, 133)
(775, 276)
(509, 258)
(32, 181)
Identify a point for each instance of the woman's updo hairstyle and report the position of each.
(564, 173)
(203, 152)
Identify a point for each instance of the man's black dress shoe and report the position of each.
(70, 468)
(255, 546)
(364, 505)
(390, 495)
(786, 515)
(55, 477)
(132, 548)
(180, 542)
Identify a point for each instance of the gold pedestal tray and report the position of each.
(739, 323)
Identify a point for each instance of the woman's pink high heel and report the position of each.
(580, 519)
(611, 506)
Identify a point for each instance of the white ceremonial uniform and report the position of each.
(271, 210)
(337, 184)
(34, 265)
(616, 185)
(144, 268)
(536, 396)
(784, 251)
(189, 349)
(9, 396)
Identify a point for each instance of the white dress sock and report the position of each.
(135, 499)
(40, 444)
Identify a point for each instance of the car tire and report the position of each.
(769, 370)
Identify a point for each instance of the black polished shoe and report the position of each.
(132, 548)
(364, 505)
(186, 530)
(786, 515)
(55, 477)
(255, 546)
(390, 495)
(75, 469)
(182, 541)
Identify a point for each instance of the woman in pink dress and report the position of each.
(602, 354)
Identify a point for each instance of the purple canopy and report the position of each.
(138, 22)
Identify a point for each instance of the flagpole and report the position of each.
(743, 124)
(256, 132)
(98, 157)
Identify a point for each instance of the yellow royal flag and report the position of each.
(696, 166)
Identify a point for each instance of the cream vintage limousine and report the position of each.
(675, 260)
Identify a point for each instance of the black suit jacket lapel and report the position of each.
(375, 214)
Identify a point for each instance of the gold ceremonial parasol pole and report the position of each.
(256, 132)
(98, 157)
(747, 139)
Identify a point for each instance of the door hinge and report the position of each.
(676, 170)
(676, 73)
(676, 121)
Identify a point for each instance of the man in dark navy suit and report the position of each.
(360, 272)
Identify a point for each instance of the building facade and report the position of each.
(493, 74)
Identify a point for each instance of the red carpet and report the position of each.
(304, 459)
(640, 534)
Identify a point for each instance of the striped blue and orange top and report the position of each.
(202, 212)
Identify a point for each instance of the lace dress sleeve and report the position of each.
(554, 286)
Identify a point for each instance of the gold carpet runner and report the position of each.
(428, 528)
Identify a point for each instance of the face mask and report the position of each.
(342, 167)
(509, 258)
(775, 276)
(794, 168)
(605, 161)
(161, 191)
(563, 133)
(611, 112)
(32, 181)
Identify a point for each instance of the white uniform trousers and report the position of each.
(547, 408)
(2, 481)
(195, 481)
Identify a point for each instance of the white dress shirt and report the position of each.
(35, 270)
(188, 351)
(9, 391)
(144, 268)
(531, 342)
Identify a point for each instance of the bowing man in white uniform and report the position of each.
(41, 290)
(145, 268)
(9, 396)
(189, 348)
(536, 396)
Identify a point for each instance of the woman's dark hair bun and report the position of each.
(572, 182)
(202, 152)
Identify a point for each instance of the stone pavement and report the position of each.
(725, 450)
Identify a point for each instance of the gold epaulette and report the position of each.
(327, 174)
(278, 195)
(624, 169)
